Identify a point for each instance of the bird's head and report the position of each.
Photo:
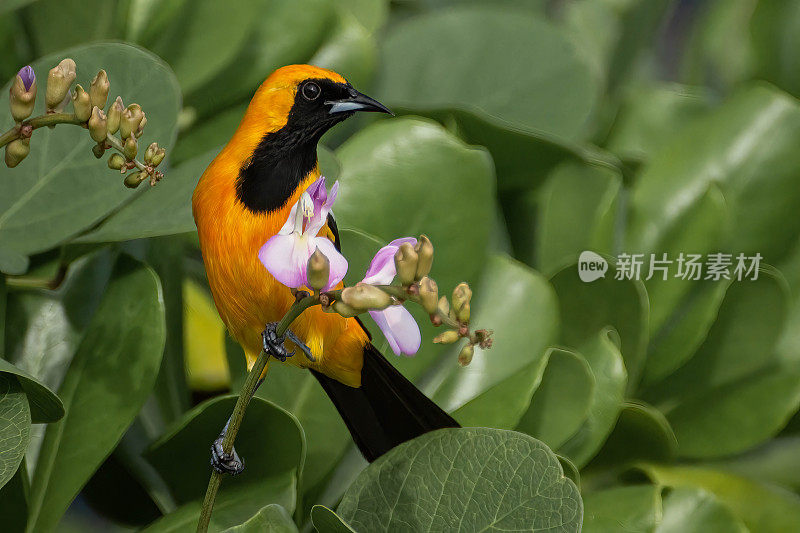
(305, 101)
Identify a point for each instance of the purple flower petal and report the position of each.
(399, 328)
(381, 270)
(336, 259)
(286, 258)
(28, 76)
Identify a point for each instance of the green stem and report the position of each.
(241, 406)
(116, 144)
(50, 119)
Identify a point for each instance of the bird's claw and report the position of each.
(273, 344)
(225, 463)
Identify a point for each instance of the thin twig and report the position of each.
(241, 406)
(50, 119)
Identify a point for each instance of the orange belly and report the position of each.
(248, 297)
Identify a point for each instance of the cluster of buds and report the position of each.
(89, 112)
(412, 265)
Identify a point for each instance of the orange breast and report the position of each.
(246, 295)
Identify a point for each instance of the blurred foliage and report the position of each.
(540, 129)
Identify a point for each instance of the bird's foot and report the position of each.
(225, 463)
(273, 345)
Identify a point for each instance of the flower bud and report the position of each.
(99, 149)
(428, 295)
(159, 156)
(59, 80)
(98, 90)
(364, 296)
(98, 125)
(447, 337)
(82, 104)
(115, 162)
(16, 151)
(465, 355)
(22, 95)
(444, 306)
(344, 309)
(130, 120)
(140, 130)
(150, 152)
(318, 269)
(130, 148)
(114, 115)
(462, 294)
(424, 249)
(405, 260)
(133, 180)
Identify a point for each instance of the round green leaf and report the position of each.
(270, 441)
(561, 402)
(495, 389)
(270, 519)
(61, 170)
(610, 377)
(471, 479)
(776, 462)
(634, 508)
(519, 54)
(108, 381)
(326, 521)
(45, 406)
(697, 511)
(15, 426)
(763, 508)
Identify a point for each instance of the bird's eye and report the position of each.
(311, 91)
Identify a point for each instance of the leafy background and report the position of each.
(527, 132)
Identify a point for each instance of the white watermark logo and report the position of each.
(690, 267)
(591, 266)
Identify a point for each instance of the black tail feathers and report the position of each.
(386, 410)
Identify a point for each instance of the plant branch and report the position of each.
(50, 119)
(241, 406)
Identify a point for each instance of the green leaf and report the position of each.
(495, 389)
(61, 169)
(426, 165)
(735, 392)
(519, 53)
(697, 511)
(610, 377)
(641, 433)
(761, 507)
(561, 402)
(299, 393)
(471, 479)
(578, 206)
(270, 519)
(12, 262)
(270, 441)
(58, 24)
(13, 501)
(45, 406)
(15, 426)
(109, 379)
(351, 50)
(326, 521)
(776, 462)
(45, 327)
(204, 38)
(290, 34)
(587, 308)
(650, 115)
(747, 148)
(774, 28)
(634, 508)
(165, 210)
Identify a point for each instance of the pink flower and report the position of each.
(286, 254)
(396, 323)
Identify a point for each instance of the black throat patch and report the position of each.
(285, 157)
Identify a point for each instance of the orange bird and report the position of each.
(243, 198)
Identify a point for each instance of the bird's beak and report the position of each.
(357, 102)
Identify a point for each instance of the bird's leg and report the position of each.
(273, 344)
(228, 463)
